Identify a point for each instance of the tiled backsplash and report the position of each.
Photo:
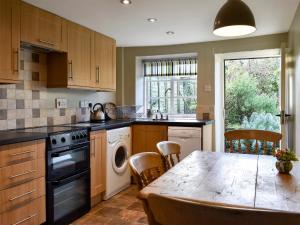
(26, 104)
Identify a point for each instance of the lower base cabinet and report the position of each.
(98, 165)
(22, 183)
(33, 213)
(145, 137)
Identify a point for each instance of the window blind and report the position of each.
(170, 67)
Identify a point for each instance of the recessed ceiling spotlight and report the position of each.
(126, 2)
(170, 32)
(152, 20)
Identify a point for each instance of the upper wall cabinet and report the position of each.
(104, 62)
(9, 40)
(79, 55)
(72, 69)
(41, 28)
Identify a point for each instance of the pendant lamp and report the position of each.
(234, 19)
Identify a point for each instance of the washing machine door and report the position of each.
(120, 159)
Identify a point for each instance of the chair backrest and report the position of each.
(168, 149)
(171, 211)
(252, 141)
(146, 167)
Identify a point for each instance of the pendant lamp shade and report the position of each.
(234, 19)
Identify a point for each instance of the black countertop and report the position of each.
(31, 134)
(15, 136)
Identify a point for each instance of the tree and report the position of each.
(252, 92)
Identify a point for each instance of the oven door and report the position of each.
(67, 162)
(68, 199)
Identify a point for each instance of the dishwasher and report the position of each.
(189, 139)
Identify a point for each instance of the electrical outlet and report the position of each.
(86, 104)
(61, 103)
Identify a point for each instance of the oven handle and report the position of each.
(72, 178)
(58, 154)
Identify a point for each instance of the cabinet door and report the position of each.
(29, 23)
(98, 165)
(105, 62)
(145, 137)
(79, 55)
(39, 27)
(9, 40)
(50, 30)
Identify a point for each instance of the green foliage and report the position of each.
(261, 121)
(252, 93)
(285, 155)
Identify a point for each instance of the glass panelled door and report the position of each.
(252, 89)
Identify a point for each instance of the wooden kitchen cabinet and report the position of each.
(72, 69)
(41, 28)
(104, 62)
(145, 137)
(98, 165)
(22, 183)
(10, 41)
(79, 55)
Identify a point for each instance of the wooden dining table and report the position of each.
(229, 178)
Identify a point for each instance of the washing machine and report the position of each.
(117, 165)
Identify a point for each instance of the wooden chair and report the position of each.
(261, 137)
(168, 149)
(146, 167)
(171, 211)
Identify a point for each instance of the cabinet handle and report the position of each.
(46, 42)
(24, 220)
(22, 174)
(97, 74)
(22, 195)
(21, 153)
(16, 60)
(71, 70)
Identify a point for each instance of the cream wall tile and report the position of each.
(28, 104)
(28, 122)
(3, 124)
(11, 104)
(35, 104)
(20, 94)
(44, 112)
(11, 93)
(11, 124)
(28, 94)
(43, 95)
(28, 113)
(43, 121)
(11, 114)
(35, 122)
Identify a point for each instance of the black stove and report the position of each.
(68, 172)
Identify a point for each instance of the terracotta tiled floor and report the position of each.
(122, 209)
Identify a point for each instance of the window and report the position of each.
(171, 85)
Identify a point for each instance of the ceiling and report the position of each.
(191, 20)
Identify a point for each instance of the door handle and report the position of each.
(283, 116)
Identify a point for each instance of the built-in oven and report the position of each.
(66, 161)
(68, 176)
(68, 198)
